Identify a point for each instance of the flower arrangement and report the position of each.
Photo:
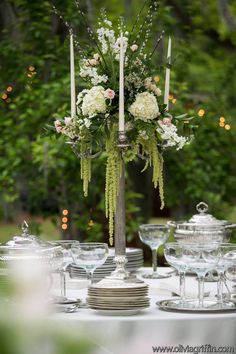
(149, 127)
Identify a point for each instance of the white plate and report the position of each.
(128, 312)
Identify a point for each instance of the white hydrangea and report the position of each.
(94, 102)
(170, 136)
(145, 107)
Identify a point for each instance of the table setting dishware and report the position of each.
(200, 258)
(154, 235)
(117, 300)
(175, 257)
(62, 260)
(186, 231)
(89, 256)
(134, 257)
(227, 259)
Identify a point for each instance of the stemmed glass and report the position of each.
(154, 236)
(201, 258)
(63, 259)
(175, 257)
(227, 259)
(89, 256)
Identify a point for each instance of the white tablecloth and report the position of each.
(152, 327)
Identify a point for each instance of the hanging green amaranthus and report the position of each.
(113, 170)
(85, 167)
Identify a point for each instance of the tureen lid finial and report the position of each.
(25, 228)
(202, 208)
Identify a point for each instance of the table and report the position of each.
(141, 333)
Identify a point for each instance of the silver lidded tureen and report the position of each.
(26, 246)
(202, 227)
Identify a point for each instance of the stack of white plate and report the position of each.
(114, 299)
(134, 257)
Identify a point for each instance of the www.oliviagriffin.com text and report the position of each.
(206, 348)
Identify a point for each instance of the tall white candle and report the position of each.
(72, 77)
(167, 81)
(121, 87)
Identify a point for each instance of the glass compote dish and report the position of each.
(154, 236)
(89, 256)
(62, 260)
(175, 257)
(201, 259)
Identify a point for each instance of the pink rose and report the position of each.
(58, 126)
(109, 94)
(166, 121)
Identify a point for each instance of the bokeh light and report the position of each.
(9, 88)
(65, 212)
(64, 226)
(227, 126)
(222, 119)
(201, 112)
(4, 96)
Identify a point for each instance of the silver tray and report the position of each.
(170, 305)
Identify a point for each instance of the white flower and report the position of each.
(143, 134)
(87, 122)
(107, 22)
(80, 96)
(96, 56)
(168, 133)
(58, 126)
(109, 93)
(157, 91)
(128, 126)
(134, 47)
(151, 87)
(68, 120)
(88, 71)
(145, 107)
(92, 62)
(94, 102)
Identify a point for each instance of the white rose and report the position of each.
(145, 107)
(134, 47)
(94, 102)
(68, 120)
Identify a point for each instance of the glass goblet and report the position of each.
(90, 256)
(201, 258)
(65, 259)
(231, 274)
(227, 259)
(154, 236)
(215, 235)
(175, 257)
